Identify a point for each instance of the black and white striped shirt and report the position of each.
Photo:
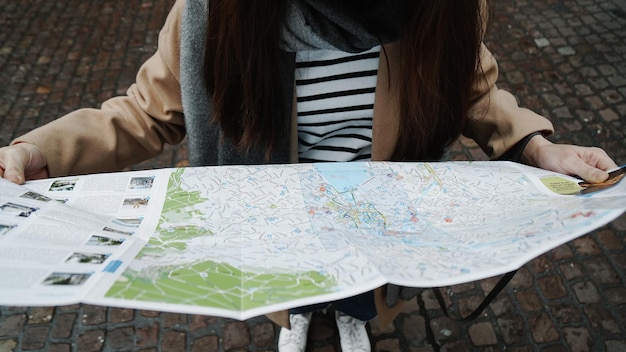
(335, 102)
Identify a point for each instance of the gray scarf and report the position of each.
(347, 25)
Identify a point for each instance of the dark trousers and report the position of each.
(361, 306)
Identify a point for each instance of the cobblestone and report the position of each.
(563, 59)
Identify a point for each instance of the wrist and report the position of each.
(531, 151)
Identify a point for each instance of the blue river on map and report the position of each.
(344, 176)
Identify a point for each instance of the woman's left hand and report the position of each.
(589, 163)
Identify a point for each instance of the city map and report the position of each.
(239, 241)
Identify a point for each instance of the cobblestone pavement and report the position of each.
(564, 59)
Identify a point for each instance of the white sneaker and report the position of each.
(294, 339)
(352, 333)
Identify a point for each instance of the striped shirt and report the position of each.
(335, 103)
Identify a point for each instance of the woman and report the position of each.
(306, 80)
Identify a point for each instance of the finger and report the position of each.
(597, 165)
(602, 160)
(15, 175)
(12, 170)
(587, 172)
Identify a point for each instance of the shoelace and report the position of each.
(297, 332)
(353, 330)
(293, 338)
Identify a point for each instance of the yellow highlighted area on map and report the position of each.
(561, 185)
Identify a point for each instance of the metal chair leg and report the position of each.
(504, 280)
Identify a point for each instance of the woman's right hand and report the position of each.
(21, 162)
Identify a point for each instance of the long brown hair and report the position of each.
(439, 58)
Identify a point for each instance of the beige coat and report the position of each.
(132, 128)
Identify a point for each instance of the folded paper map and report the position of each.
(241, 241)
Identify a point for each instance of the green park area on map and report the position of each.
(201, 282)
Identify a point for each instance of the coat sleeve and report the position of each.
(495, 120)
(126, 129)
